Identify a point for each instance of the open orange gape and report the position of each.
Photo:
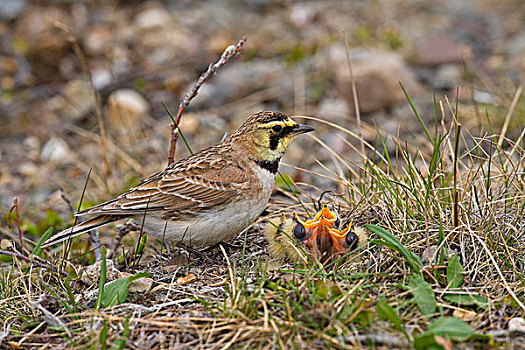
(321, 235)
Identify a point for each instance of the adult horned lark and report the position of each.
(208, 197)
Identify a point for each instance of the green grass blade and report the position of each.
(102, 279)
(38, 250)
(416, 113)
(394, 243)
(177, 128)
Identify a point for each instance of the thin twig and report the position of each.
(122, 230)
(230, 52)
(34, 260)
(94, 236)
(198, 253)
(17, 218)
(179, 131)
(383, 339)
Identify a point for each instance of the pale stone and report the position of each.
(55, 150)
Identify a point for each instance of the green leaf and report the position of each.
(321, 290)
(454, 272)
(116, 292)
(451, 328)
(38, 250)
(468, 299)
(423, 294)
(327, 290)
(427, 341)
(102, 278)
(392, 242)
(445, 327)
(364, 318)
(387, 312)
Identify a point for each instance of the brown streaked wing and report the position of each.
(174, 191)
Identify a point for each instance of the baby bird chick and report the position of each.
(281, 234)
(320, 237)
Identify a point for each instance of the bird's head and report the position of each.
(268, 134)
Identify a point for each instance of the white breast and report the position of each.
(210, 228)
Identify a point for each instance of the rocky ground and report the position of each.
(135, 55)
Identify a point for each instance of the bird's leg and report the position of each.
(230, 245)
(200, 254)
(122, 230)
(94, 236)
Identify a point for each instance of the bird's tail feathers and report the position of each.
(79, 229)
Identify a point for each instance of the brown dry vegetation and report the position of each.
(442, 176)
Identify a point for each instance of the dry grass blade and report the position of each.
(354, 94)
(513, 104)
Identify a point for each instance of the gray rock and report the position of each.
(77, 99)
(436, 49)
(152, 18)
(515, 46)
(10, 9)
(55, 150)
(98, 40)
(101, 78)
(239, 79)
(377, 75)
(126, 109)
(302, 15)
(517, 324)
(91, 274)
(141, 285)
(433, 254)
(447, 77)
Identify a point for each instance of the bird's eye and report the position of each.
(277, 128)
(351, 240)
(299, 232)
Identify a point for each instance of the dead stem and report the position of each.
(230, 52)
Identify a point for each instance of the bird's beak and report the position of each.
(302, 129)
